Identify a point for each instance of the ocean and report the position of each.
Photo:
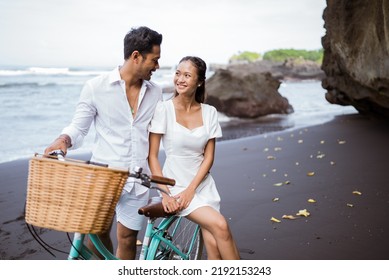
(36, 103)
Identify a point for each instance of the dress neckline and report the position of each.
(183, 126)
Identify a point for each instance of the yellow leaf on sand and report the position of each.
(289, 217)
(278, 184)
(357, 193)
(275, 220)
(287, 183)
(310, 173)
(311, 200)
(276, 199)
(304, 213)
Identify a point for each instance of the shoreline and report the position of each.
(311, 93)
(344, 155)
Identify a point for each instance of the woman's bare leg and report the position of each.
(213, 222)
(210, 245)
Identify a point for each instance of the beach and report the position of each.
(334, 175)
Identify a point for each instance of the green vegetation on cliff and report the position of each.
(245, 56)
(280, 55)
(283, 54)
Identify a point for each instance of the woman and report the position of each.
(188, 129)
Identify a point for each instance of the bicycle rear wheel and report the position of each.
(184, 235)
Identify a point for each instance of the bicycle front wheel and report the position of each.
(181, 239)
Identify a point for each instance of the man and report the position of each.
(121, 104)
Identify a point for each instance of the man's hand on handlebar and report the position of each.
(61, 143)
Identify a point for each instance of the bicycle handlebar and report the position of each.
(137, 173)
(162, 180)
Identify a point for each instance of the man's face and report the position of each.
(150, 63)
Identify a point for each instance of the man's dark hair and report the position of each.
(141, 39)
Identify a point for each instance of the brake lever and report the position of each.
(59, 154)
(144, 178)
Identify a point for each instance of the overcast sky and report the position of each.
(76, 33)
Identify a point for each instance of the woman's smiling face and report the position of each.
(186, 78)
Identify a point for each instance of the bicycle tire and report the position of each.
(182, 233)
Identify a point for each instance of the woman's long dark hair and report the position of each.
(201, 69)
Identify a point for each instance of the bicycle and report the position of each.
(167, 237)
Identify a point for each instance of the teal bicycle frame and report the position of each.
(155, 238)
(79, 250)
(160, 237)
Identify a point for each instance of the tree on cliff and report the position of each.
(282, 55)
(245, 56)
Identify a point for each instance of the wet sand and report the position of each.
(340, 165)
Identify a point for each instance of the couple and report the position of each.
(131, 119)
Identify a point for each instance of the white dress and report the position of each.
(184, 150)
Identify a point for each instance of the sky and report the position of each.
(89, 33)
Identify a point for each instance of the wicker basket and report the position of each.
(72, 196)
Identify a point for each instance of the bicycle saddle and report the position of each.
(154, 209)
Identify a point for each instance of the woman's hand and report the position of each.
(185, 198)
(170, 204)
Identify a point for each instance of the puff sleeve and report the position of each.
(215, 130)
(159, 120)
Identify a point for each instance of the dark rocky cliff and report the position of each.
(356, 55)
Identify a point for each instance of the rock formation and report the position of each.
(246, 93)
(291, 69)
(356, 55)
